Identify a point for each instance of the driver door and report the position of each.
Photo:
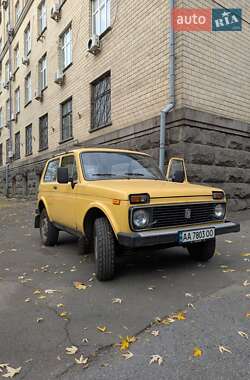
(177, 171)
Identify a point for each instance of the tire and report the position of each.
(202, 251)
(104, 249)
(49, 234)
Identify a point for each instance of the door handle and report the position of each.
(55, 187)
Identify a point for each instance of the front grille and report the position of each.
(176, 215)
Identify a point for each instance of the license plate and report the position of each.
(196, 235)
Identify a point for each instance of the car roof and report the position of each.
(97, 149)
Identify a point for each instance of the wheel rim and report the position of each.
(44, 228)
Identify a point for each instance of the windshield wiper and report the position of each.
(104, 175)
(137, 174)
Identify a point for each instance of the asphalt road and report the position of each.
(151, 285)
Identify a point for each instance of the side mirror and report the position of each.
(176, 171)
(63, 175)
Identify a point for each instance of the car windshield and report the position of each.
(118, 165)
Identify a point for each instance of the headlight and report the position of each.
(220, 211)
(141, 218)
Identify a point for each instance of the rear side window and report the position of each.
(70, 163)
(51, 171)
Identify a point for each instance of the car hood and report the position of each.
(121, 189)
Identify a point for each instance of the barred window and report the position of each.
(28, 140)
(101, 102)
(66, 111)
(17, 146)
(1, 154)
(43, 132)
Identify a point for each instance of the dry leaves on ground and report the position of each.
(82, 360)
(243, 334)
(155, 333)
(80, 285)
(246, 283)
(128, 355)
(156, 359)
(71, 350)
(117, 300)
(9, 371)
(223, 349)
(197, 352)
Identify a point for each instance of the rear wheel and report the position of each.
(203, 251)
(104, 249)
(49, 233)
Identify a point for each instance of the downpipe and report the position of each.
(170, 106)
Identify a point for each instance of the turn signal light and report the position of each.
(139, 199)
(218, 195)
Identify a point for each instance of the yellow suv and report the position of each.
(114, 198)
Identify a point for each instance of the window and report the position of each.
(27, 41)
(66, 112)
(7, 71)
(101, 102)
(28, 89)
(43, 73)
(42, 17)
(70, 163)
(28, 140)
(8, 110)
(17, 146)
(17, 10)
(66, 48)
(100, 16)
(1, 45)
(51, 171)
(7, 149)
(17, 100)
(16, 57)
(43, 132)
(1, 118)
(1, 154)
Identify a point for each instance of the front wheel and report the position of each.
(203, 251)
(104, 249)
(49, 233)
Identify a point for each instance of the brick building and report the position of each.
(60, 88)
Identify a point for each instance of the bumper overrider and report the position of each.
(170, 236)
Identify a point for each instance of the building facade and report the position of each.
(95, 72)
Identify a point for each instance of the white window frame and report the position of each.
(17, 100)
(27, 40)
(1, 117)
(66, 48)
(43, 73)
(100, 16)
(42, 17)
(28, 89)
(17, 10)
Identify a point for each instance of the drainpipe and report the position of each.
(170, 106)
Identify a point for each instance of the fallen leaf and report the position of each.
(248, 314)
(27, 300)
(155, 333)
(245, 254)
(151, 288)
(11, 372)
(50, 291)
(229, 270)
(243, 334)
(64, 315)
(188, 295)
(128, 355)
(60, 305)
(85, 340)
(223, 349)
(228, 241)
(246, 283)
(102, 329)
(248, 295)
(80, 285)
(117, 300)
(180, 316)
(124, 346)
(71, 350)
(190, 305)
(156, 359)
(82, 360)
(131, 339)
(197, 352)
(41, 297)
(37, 292)
(39, 320)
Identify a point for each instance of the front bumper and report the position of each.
(170, 236)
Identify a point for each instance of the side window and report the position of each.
(70, 163)
(51, 172)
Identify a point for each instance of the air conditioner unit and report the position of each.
(94, 45)
(25, 61)
(38, 95)
(6, 85)
(13, 117)
(55, 13)
(59, 78)
(5, 4)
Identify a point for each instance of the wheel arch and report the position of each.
(43, 204)
(92, 214)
